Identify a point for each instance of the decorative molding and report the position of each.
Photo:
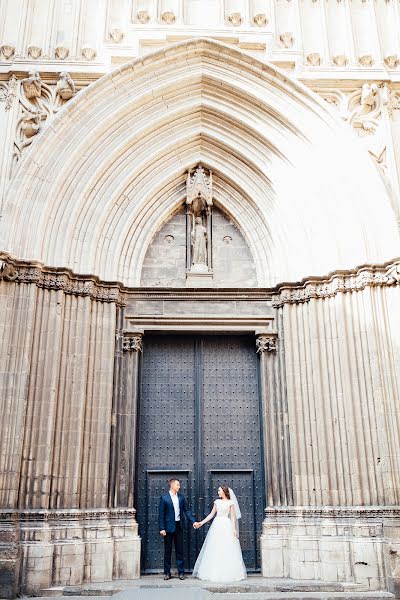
(38, 104)
(65, 514)
(260, 19)
(132, 342)
(336, 512)
(88, 53)
(266, 343)
(7, 50)
(61, 279)
(338, 282)
(117, 35)
(287, 39)
(53, 278)
(168, 17)
(143, 16)
(8, 91)
(61, 52)
(314, 59)
(235, 19)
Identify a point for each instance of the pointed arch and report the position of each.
(98, 183)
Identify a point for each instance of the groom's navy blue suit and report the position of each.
(174, 529)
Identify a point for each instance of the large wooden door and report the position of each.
(199, 420)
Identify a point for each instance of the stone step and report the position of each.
(196, 593)
(303, 596)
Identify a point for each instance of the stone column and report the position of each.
(124, 420)
(275, 422)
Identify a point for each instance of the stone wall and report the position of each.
(165, 261)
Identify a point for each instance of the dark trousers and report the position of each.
(177, 538)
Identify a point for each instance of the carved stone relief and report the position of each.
(199, 206)
(363, 109)
(39, 102)
(8, 91)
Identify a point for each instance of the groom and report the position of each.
(173, 506)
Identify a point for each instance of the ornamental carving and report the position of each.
(88, 53)
(338, 283)
(143, 16)
(117, 35)
(7, 50)
(340, 60)
(61, 52)
(64, 279)
(260, 20)
(7, 271)
(314, 59)
(364, 109)
(39, 102)
(235, 19)
(34, 52)
(65, 86)
(32, 85)
(287, 39)
(8, 91)
(265, 343)
(391, 61)
(366, 60)
(168, 17)
(132, 343)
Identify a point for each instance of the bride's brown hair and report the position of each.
(225, 489)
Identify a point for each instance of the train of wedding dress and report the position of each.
(220, 558)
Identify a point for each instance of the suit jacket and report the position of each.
(166, 515)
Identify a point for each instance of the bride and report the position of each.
(220, 558)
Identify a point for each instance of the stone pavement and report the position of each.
(254, 588)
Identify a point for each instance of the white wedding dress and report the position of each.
(220, 558)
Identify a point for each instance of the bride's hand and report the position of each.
(235, 533)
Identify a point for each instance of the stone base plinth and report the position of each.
(69, 547)
(199, 279)
(336, 544)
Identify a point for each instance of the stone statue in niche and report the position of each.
(198, 226)
(199, 243)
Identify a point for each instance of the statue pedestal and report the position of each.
(199, 278)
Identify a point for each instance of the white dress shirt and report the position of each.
(175, 502)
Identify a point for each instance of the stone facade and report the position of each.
(105, 108)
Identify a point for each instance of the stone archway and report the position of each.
(83, 207)
(112, 168)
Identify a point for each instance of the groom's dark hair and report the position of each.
(171, 481)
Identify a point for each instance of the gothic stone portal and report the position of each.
(200, 421)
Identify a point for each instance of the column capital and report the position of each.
(132, 341)
(266, 343)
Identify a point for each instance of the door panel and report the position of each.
(166, 434)
(242, 483)
(231, 425)
(199, 419)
